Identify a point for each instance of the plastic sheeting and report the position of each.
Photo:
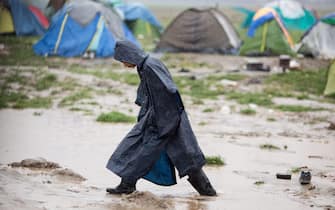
(138, 11)
(320, 41)
(25, 22)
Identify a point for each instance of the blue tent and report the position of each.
(83, 26)
(138, 11)
(25, 21)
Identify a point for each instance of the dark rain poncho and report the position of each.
(162, 138)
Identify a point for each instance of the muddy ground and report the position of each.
(66, 132)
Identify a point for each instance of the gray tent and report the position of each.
(195, 30)
(319, 41)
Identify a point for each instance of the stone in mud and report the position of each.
(331, 125)
(68, 174)
(39, 163)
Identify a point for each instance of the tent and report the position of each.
(22, 18)
(82, 26)
(6, 21)
(319, 41)
(139, 19)
(267, 35)
(276, 27)
(330, 86)
(141, 22)
(248, 16)
(204, 31)
(293, 14)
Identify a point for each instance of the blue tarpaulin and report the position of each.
(25, 22)
(138, 11)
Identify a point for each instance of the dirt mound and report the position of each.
(146, 200)
(42, 166)
(39, 163)
(68, 174)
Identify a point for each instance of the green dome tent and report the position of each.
(276, 27)
(267, 35)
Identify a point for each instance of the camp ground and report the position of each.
(22, 18)
(257, 82)
(197, 30)
(81, 27)
(319, 40)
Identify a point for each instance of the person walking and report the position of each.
(162, 138)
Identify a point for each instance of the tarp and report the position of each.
(204, 31)
(293, 14)
(319, 41)
(27, 21)
(82, 26)
(248, 16)
(137, 11)
(330, 87)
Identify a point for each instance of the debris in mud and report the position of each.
(315, 156)
(39, 163)
(68, 173)
(259, 183)
(312, 187)
(146, 200)
(254, 81)
(254, 65)
(283, 176)
(331, 126)
(183, 70)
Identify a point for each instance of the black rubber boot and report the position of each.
(200, 182)
(125, 187)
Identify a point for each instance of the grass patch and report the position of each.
(295, 170)
(71, 99)
(21, 101)
(202, 123)
(214, 160)
(233, 77)
(36, 103)
(68, 84)
(248, 111)
(312, 82)
(21, 52)
(197, 101)
(259, 183)
(116, 117)
(297, 108)
(251, 98)
(198, 88)
(128, 78)
(269, 147)
(208, 110)
(46, 82)
(271, 119)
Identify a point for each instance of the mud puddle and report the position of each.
(79, 145)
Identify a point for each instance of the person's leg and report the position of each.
(200, 182)
(126, 186)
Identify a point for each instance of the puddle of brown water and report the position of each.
(83, 145)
